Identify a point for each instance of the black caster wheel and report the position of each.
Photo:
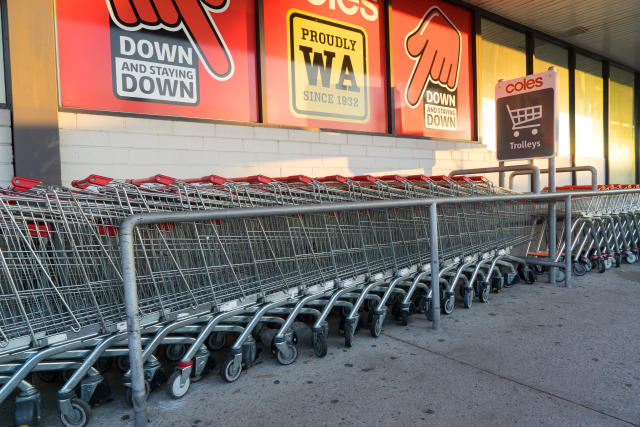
(288, 356)
(404, 318)
(176, 389)
(526, 274)
(101, 393)
(122, 362)
(230, 370)
(428, 309)
(349, 331)
(208, 368)
(608, 263)
(601, 266)
(103, 364)
(497, 283)
(216, 341)
(81, 414)
(447, 304)
(468, 298)
(319, 341)
(538, 269)
(48, 376)
(174, 352)
(375, 327)
(485, 289)
(579, 269)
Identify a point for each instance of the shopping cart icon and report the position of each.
(522, 118)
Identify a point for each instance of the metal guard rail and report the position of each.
(129, 276)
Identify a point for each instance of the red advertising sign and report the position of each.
(432, 69)
(190, 58)
(324, 64)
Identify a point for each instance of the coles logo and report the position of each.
(525, 84)
(157, 46)
(351, 7)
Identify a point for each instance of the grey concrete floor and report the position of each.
(534, 355)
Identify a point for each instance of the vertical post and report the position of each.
(435, 266)
(636, 93)
(133, 324)
(568, 242)
(552, 219)
(605, 118)
(501, 178)
(572, 114)
(388, 60)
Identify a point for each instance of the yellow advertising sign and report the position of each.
(328, 72)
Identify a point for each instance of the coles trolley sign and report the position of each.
(527, 117)
(328, 56)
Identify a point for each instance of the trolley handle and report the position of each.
(255, 179)
(398, 178)
(156, 179)
(479, 178)
(295, 178)
(21, 184)
(332, 178)
(209, 179)
(420, 177)
(92, 179)
(440, 178)
(462, 178)
(363, 178)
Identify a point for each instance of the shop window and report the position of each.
(549, 55)
(622, 153)
(502, 56)
(589, 117)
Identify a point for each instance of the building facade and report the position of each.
(281, 87)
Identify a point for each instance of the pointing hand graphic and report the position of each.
(192, 16)
(435, 45)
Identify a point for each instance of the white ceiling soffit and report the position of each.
(609, 28)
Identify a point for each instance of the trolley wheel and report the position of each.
(485, 290)
(174, 352)
(560, 275)
(48, 376)
(24, 414)
(617, 258)
(122, 362)
(230, 372)
(630, 258)
(428, 309)
(216, 341)
(101, 393)
(608, 263)
(81, 414)
(103, 364)
(208, 368)
(526, 274)
(601, 266)
(538, 269)
(175, 388)
(249, 352)
(468, 298)
(349, 331)
(447, 304)
(289, 356)
(320, 345)
(588, 265)
(404, 318)
(375, 327)
(579, 269)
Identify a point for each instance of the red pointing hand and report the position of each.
(191, 16)
(435, 45)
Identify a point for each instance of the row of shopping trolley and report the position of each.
(605, 231)
(252, 278)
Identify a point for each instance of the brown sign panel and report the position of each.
(526, 117)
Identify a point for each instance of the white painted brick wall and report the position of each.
(6, 148)
(127, 147)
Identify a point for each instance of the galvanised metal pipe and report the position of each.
(593, 170)
(552, 219)
(531, 169)
(138, 392)
(435, 266)
(128, 267)
(568, 242)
